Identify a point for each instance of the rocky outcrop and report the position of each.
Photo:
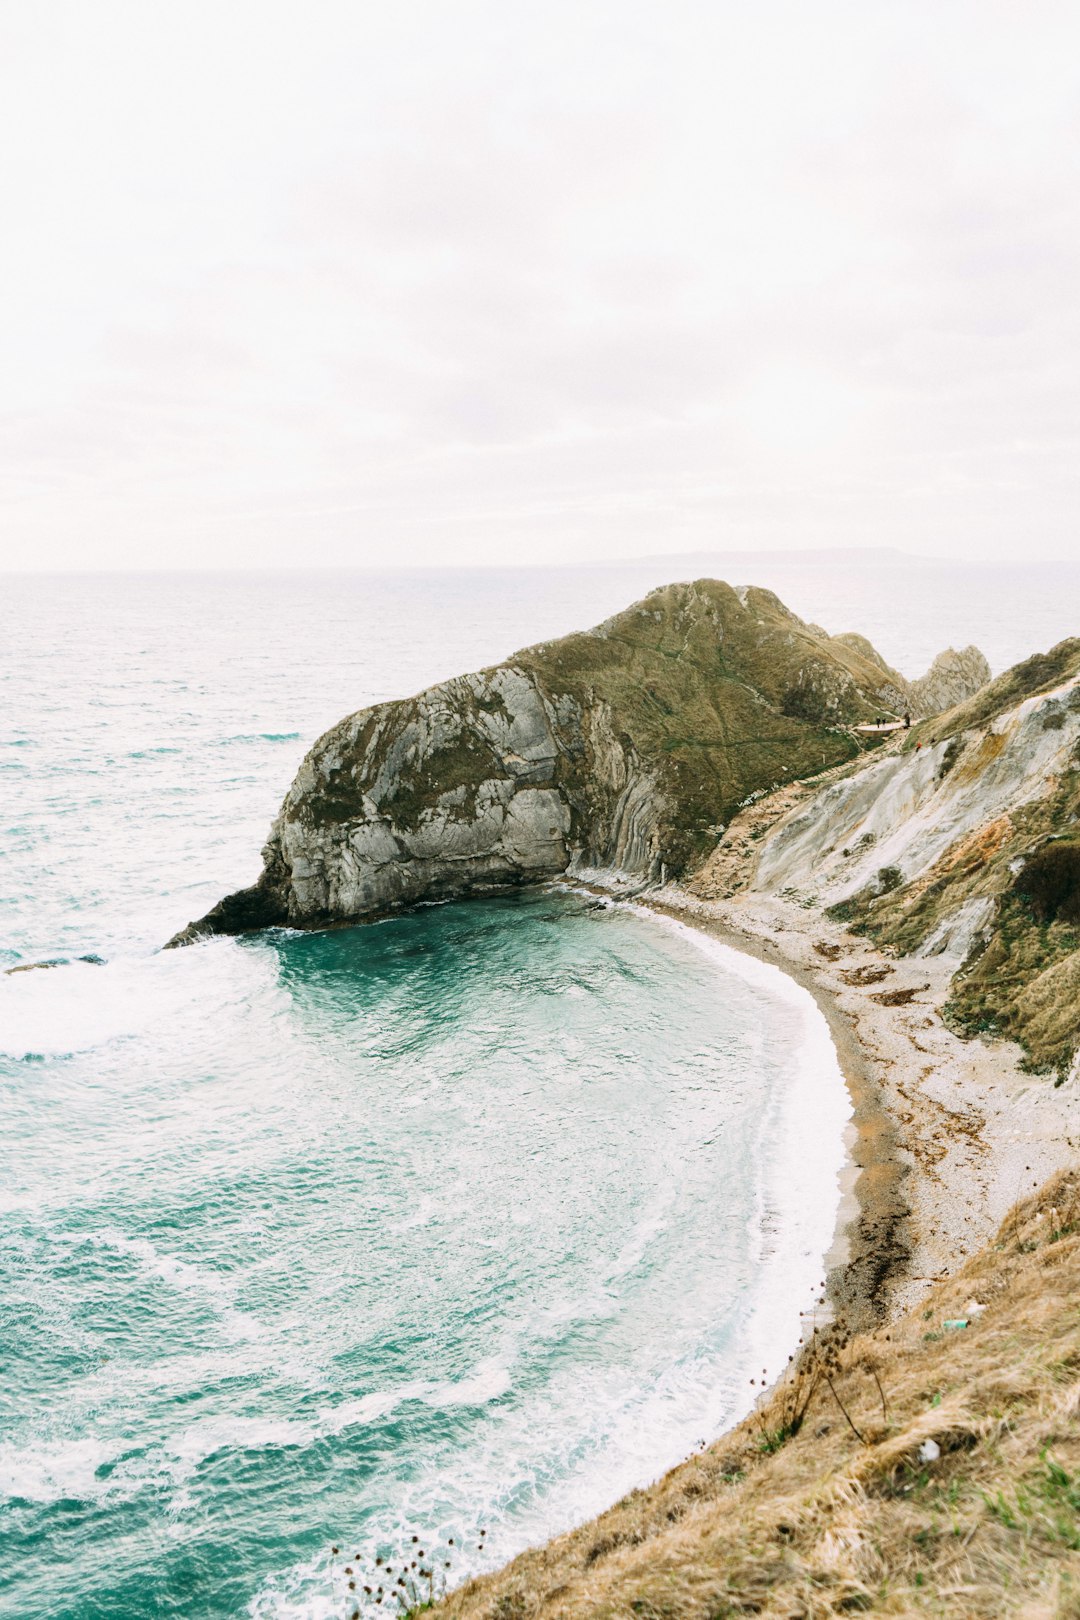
(625, 748)
(952, 678)
(939, 847)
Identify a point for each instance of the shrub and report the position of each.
(950, 757)
(804, 703)
(1050, 880)
(1041, 669)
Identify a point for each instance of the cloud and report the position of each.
(484, 282)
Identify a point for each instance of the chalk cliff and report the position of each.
(961, 840)
(625, 748)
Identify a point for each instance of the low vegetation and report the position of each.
(1050, 881)
(931, 1468)
(724, 693)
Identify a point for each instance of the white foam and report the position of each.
(53, 1470)
(649, 1225)
(50, 1012)
(76, 1006)
(193, 1445)
(215, 1287)
(488, 1380)
(422, 1215)
(803, 1136)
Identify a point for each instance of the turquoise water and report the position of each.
(448, 1225)
(455, 1226)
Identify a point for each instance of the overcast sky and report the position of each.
(437, 281)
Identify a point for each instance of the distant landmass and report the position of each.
(722, 563)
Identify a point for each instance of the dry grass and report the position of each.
(820, 1522)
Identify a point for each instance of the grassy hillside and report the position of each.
(724, 692)
(958, 1496)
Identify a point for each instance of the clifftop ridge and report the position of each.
(628, 746)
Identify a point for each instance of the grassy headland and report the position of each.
(924, 1468)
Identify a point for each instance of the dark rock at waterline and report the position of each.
(241, 913)
(57, 961)
(625, 748)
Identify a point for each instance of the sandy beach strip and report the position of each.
(948, 1133)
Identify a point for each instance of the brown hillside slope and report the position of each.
(959, 1498)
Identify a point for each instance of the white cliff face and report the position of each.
(907, 810)
(628, 833)
(960, 929)
(619, 749)
(461, 789)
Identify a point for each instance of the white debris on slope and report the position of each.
(957, 933)
(906, 810)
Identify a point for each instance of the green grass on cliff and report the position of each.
(723, 697)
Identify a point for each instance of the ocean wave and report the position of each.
(648, 1227)
(102, 1468)
(489, 1380)
(85, 1002)
(522, 1383)
(52, 1471)
(75, 1006)
(218, 1289)
(802, 1151)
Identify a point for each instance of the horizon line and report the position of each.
(863, 555)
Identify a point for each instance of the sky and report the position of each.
(447, 281)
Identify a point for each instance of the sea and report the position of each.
(396, 1247)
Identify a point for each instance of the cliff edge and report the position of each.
(959, 841)
(627, 747)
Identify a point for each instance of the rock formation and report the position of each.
(963, 841)
(623, 748)
(952, 677)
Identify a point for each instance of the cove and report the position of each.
(469, 1220)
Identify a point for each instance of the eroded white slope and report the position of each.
(906, 810)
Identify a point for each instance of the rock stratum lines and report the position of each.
(624, 749)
